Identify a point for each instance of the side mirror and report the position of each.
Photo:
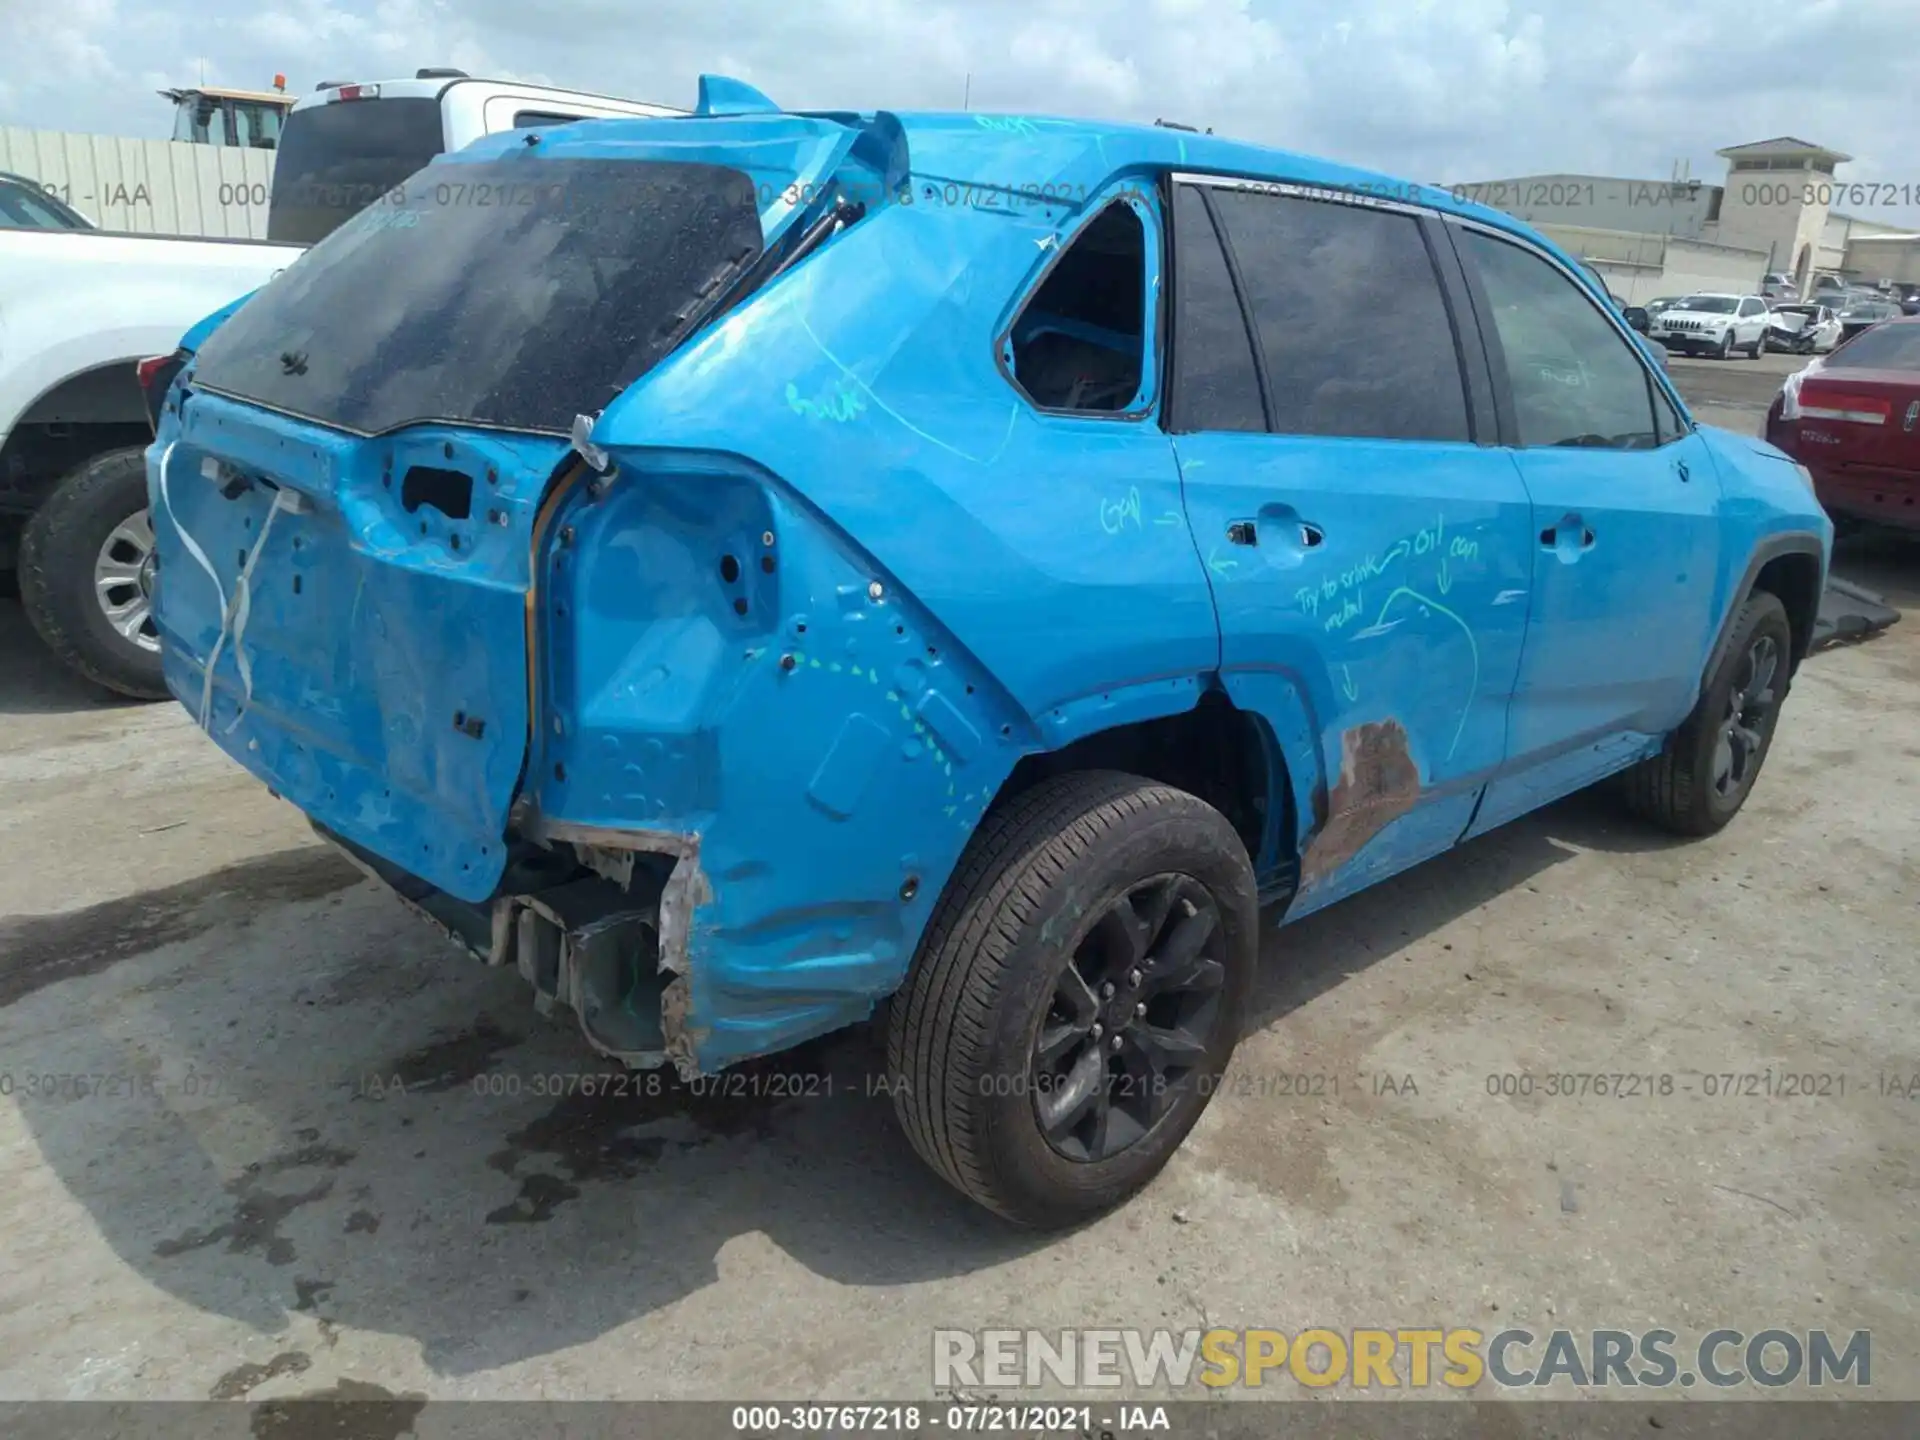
(1636, 316)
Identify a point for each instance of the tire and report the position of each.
(1759, 346)
(60, 558)
(1725, 352)
(1686, 787)
(1051, 884)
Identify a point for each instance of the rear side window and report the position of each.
(1351, 322)
(1885, 347)
(1576, 380)
(513, 293)
(336, 159)
(1078, 343)
(1215, 383)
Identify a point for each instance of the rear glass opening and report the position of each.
(1885, 347)
(1077, 343)
(336, 159)
(513, 293)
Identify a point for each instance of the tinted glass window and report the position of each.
(1575, 379)
(514, 293)
(334, 160)
(22, 207)
(1215, 386)
(1667, 419)
(1351, 322)
(528, 119)
(1889, 347)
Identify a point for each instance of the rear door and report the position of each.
(1368, 542)
(1626, 530)
(347, 505)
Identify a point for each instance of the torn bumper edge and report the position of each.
(568, 939)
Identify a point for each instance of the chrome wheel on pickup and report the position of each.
(123, 580)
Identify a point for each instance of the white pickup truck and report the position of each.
(81, 310)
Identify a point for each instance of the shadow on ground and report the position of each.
(32, 682)
(331, 1113)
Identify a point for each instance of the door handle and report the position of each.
(1302, 533)
(1570, 539)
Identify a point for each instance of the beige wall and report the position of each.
(1638, 267)
(154, 187)
(1871, 259)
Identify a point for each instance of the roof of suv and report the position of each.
(1029, 153)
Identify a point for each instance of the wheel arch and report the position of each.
(1225, 755)
(88, 413)
(1791, 567)
(107, 393)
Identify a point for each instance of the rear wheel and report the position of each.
(86, 575)
(1759, 346)
(1704, 775)
(1076, 997)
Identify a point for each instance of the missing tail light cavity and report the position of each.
(448, 491)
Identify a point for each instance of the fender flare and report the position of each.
(1789, 542)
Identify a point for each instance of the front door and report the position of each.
(1626, 534)
(1369, 559)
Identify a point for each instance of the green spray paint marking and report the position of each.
(842, 403)
(1007, 124)
(1379, 627)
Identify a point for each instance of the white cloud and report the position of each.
(1430, 89)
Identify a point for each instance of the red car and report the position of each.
(1853, 419)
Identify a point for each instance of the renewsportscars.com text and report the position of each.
(1401, 1358)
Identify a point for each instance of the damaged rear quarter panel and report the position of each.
(844, 578)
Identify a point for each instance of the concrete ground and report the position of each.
(344, 1176)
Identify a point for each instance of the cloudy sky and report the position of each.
(1430, 89)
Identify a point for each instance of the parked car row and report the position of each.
(1722, 323)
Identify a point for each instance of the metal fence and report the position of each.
(153, 187)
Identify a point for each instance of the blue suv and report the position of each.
(748, 569)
